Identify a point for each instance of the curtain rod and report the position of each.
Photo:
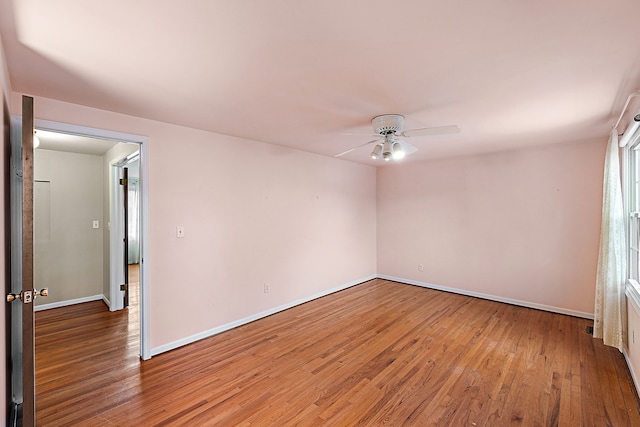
(624, 109)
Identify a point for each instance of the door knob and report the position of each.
(44, 292)
(13, 297)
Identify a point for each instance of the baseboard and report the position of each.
(527, 304)
(68, 302)
(633, 373)
(211, 332)
(106, 301)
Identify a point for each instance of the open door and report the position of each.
(22, 294)
(124, 184)
(120, 228)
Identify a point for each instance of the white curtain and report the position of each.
(134, 220)
(610, 309)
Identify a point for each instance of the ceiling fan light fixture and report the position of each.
(398, 152)
(377, 151)
(387, 150)
(388, 129)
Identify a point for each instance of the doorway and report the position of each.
(102, 150)
(46, 196)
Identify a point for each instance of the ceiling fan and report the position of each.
(388, 145)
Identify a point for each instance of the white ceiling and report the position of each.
(299, 73)
(73, 143)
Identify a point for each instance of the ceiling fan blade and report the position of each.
(356, 147)
(360, 134)
(438, 130)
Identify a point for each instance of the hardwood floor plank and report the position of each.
(380, 353)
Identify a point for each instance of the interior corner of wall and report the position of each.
(5, 78)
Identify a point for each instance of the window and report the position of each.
(633, 212)
(631, 193)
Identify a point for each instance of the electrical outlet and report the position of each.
(420, 267)
(96, 224)
(267, 288)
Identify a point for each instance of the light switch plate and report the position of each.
(96, 224)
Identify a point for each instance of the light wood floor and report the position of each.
(380, 353)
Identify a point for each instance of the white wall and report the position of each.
(633, 341)
(252, 212)
(68, 251)
(520, 225)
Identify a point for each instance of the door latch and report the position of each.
(27, 297)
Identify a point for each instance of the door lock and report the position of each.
(27, 296)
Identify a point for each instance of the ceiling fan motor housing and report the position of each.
(387, 124)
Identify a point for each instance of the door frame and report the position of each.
(143, 142)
